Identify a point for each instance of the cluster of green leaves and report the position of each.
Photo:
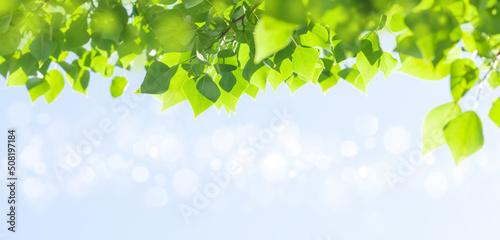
(211, 52)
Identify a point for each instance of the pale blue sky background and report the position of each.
(321, 177)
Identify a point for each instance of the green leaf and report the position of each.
(191, 3)
(271, 35)
(37, 87)
(157, 78)
(109, 22)
(464, 135)
(277, 77)
(256, 74)
(292, 11)
(387, 64)
(43, 47)
(227, 61)
(174, 58)
(317, 36)
(241, 84)
(100, 65)
(17, 78)
(227, 82)
(329, 76)
(56, 81)
(175, 93)
(435, 121)
(495, 112)
(77, 34)
(294, 83)
(9, 42)
(252, 91)
(367, 70)
(207, 87)
(370, 47)
(304, 62)
(81, 81)
(198, 102)
(5, 23)
(424, 69)
(494, 80)
(464, 74)
(353, 76)
(117, 86)
(174, 31)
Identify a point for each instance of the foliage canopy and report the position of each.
(211, 52)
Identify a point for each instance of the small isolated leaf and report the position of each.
(495, 112)
(464, 74)
(271, 35)
(304, 62)
(436, 119)
(277, 77)
(207, 87)
(56, 81)
(157, 78)
(227, 81)
(464, 135)
(117, 86)
(37, 87)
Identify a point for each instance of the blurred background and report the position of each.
(303, 167)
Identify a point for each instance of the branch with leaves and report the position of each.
(211, 53)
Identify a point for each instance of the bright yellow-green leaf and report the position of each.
(495, 112)
(271, 35)
(17, 78)
(175, 93)
(387, 64)
(435, 121)
(199, 103)
(367, 70)
(277, 77)
(464, 135)
(353, 76)
(424, 69)
(37, 87)
(294, 83)
(317, 36)
(56, 81)
(494, 80)
(464, 74)
(304, 62)
(117, 86)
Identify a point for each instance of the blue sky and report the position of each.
(318, 173)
